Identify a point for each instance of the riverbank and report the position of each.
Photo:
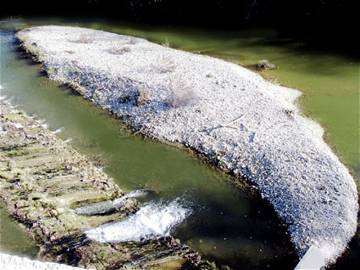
(60, 197)
(244, 124)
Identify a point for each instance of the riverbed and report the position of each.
(241, 231)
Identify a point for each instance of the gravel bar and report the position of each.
(244, 124)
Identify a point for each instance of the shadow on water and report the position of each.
(64, 87)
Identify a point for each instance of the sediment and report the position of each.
(242, 123)
(44, 182)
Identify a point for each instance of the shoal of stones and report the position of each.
(242, 123)
(42, 181)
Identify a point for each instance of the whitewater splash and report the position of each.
(150, 222)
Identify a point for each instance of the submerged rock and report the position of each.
(99, 208)
(239, 121)
(124, 202)
(264, 65)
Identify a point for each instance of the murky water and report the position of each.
(13, 238)
(231, 226)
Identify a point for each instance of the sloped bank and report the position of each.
(59, 196)
(241, 122)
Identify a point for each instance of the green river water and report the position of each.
(231, 226)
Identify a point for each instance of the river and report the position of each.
(231, 226)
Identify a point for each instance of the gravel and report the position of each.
(239, 121)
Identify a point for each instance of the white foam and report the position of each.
(40, 121)
(8, 100)
(56, 131)
(150, 222)
(68, 140)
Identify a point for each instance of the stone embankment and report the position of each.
(48, 187)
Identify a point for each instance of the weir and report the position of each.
(43, 181)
